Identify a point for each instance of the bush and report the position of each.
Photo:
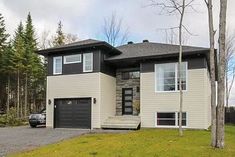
(2, 120)
(10, 119)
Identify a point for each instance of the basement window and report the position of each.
(170, 119)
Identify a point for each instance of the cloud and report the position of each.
(85, 18)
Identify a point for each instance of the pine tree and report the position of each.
(60, 37)
(33, 65)
(19, 49)
(7, 69)
(3, 44)
(3, 35)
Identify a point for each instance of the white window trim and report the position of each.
(54, 67)
(176, 75)
(170, 126)
(73, 62)
(84, 62)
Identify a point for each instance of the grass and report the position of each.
(141, 143)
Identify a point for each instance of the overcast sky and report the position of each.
(85, 18)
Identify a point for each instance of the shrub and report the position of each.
(2, 120)
(10, 119)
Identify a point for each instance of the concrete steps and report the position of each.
(121, 122)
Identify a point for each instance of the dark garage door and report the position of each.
(73, 113)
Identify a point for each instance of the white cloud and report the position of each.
(85, 18)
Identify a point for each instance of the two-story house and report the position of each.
(91, 84)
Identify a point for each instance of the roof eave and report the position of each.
(59, 49)
(188, 53)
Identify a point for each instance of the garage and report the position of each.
(72, 113)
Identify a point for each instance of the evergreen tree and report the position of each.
(34, 69)
(19, 50)
(3, 35)
(3, 44)
(7, 69)
(59, 39)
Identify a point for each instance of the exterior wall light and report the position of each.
(49, 101)
(94, 100)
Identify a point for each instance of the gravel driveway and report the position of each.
(14, 139)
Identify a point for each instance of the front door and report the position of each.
(127, 101)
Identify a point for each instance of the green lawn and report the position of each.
(141, 143)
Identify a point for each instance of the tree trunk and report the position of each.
(179, 70)
(8, 94)
(18, 94)
(26, 95)
(212, 73)
(221, 75)
(226, 85)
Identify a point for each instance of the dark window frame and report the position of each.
(126, 75)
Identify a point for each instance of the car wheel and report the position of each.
(33, 126)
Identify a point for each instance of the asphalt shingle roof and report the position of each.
(147, 49)
(80, 44)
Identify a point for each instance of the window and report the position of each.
(170, 119)
(87, 62)
(183, 118)
(167, 77)
(57, 65)
(130, 75)
(166, 119)
(72, 59)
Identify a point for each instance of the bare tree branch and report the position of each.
(113, 30)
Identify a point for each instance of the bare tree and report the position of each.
(171, 36)
(177, 7)
(45, 40)
(212, 72)
(70, 38)
(221, 75)
(230, 65)
(114, 31)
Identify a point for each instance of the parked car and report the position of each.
(37, 118)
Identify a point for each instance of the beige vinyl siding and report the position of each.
(195, 99)
(108, 96)
(74, 86)
(208, 99)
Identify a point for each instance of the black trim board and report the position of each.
(193, 63)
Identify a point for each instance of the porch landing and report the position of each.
(121, 122)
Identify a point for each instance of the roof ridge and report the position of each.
(167, 44)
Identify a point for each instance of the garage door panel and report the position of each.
(73, 113)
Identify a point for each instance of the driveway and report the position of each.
(14, 139)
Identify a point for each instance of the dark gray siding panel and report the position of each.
(106, 67)
(193, 63)
(75, 68)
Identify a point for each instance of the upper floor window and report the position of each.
(72, 59)
(130, 75)
(87, 62)
(167, 77)
(57, 65)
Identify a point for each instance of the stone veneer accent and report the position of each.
(130, 83)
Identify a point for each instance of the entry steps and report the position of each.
(121, 122)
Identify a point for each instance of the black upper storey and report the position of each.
(107, 58)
